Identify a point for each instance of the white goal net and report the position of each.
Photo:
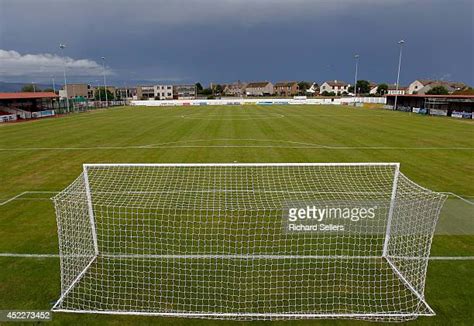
(246, 241)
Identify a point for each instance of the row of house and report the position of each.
(421, 87)
(336, 87)
(263, 88)
(285, 88)
(157, 92)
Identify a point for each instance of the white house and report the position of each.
(163, 92)
(373, 88)
(336, 86)
(415, 86)
(146, 92)
(185, 91)
(235, 89)
(421, 86)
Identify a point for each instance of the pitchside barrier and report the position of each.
(246, 241)
(262, 101)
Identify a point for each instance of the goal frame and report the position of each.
(396, 166)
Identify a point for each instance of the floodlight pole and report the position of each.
(62, 47)
(54, 85)
(355, 78)
(105, 83)
(401, 42)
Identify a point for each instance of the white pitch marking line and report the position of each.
(236, 146)
(167, 145)
(277, 116)
(11, 254)
(452, 258)
(17, 197)
(13, 198)
(20, 255)
(234, 140)
(175, 144)
(459, 197)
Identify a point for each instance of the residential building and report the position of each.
(77, 90)
(156, 92)
(184, 92)
(337, 86)
(235, 89)
(259, 89)
(286, 88)
(392, 90)
(313, 90)
(421, 86)
(163, 92)
(126, 93)
(145, 92)
(373, 88)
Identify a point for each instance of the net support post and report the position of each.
(391, 210)
(90, 209)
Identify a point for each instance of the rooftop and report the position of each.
(257, 84)
(27, 95)
(336, 82)
(442, 82)
(434, 96)
(285, 84)
(394, 87)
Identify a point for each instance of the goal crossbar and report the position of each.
(91, 165)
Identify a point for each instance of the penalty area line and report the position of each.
(20, 255)
(25, 193)
(16, 255)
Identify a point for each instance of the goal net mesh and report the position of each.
(216, 241)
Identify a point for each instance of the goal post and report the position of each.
(255, 241)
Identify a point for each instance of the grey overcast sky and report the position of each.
(228, 40)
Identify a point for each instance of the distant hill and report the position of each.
(16, 87)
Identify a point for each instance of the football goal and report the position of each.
(246, 241)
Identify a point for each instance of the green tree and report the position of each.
(303, 86)
(199, 88)
(100, 94)
(206, 91)
(438, 90)
(30, 88)
(382, 89)
(363, 87)
(49, 89)
(326, 93)
(218, 89)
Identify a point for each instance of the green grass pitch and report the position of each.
(41, 157)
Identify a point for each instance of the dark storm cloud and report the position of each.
(227, 40)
